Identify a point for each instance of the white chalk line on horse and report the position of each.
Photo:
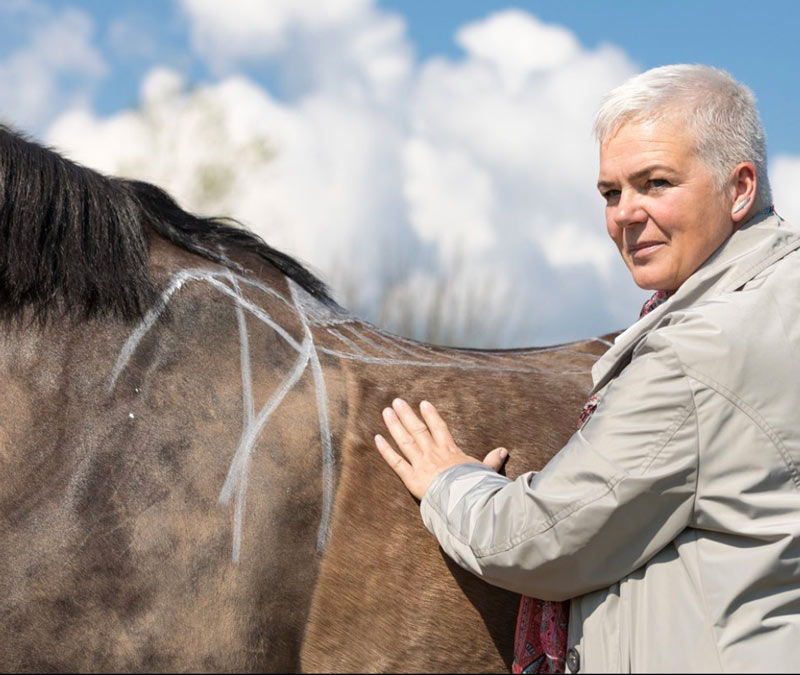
(312, 314)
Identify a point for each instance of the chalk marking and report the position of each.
(378, 361)
(248, 404)
(144, 327)
(358, 351)
(327, 459)
(237, 473)
(327, 451)
(311, 313)
(256, 311)
(420, 347)
(381, 349)
(176, 283)
(397, 345)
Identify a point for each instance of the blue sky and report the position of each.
(432, 161)
(758, 46)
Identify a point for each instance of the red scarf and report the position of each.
(540, 641)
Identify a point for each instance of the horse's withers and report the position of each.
(186, 424)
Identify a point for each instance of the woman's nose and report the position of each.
(629, 209)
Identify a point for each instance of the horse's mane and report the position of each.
(75, 243)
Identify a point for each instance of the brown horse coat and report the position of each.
(118, 556)
(195, 486)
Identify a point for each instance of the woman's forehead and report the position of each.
(635, 144)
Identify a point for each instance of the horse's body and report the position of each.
(193, 485)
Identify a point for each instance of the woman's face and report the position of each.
(663, 209)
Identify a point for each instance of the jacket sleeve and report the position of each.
(620, 490)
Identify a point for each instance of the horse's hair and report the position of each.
(75, 243)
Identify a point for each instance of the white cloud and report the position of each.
(249, 28)
(530, 142)
(450, 199)
(342, 46)
(518, 45)
(569, 244)
(56, 69)
(296, 174)
(784, 177)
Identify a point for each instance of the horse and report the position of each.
(189, 480)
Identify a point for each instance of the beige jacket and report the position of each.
(674, 513)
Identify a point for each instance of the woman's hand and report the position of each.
(427, 447)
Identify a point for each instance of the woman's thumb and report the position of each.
(496, 458)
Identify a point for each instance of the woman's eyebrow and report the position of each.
(637, 174)
(649, 169)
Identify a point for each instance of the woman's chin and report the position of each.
(652, 282)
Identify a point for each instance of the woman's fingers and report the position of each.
(401, 467)
(423, 453)
(405, 441)
(412, 424)
(438, 427)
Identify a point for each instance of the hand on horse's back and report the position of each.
(427, 446)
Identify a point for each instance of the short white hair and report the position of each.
(720, 115)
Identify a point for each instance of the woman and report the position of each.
(672, 517)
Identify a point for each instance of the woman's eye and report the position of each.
(657, 183)
(610, 195)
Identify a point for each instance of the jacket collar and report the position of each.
(759, 243)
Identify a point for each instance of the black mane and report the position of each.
(75, 243)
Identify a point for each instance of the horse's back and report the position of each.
(116, 443)
(385, 589)
(169, 501)
(198, 490)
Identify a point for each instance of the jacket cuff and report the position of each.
(434, 505)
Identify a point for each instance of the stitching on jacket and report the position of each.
(683, 415)
(567, 511)
(552, 521)
(658, 445)
(752, 413)
(696, 450)
(607, 487)
(712, 627)
(680, 417)
(752, 271)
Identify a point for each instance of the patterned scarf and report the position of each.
(540, 641)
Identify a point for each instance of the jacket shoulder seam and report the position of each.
(673, 429)
(680, 417)
(754, 416)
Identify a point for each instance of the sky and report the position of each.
(431, 161)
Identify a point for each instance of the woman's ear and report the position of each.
(744, 182)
